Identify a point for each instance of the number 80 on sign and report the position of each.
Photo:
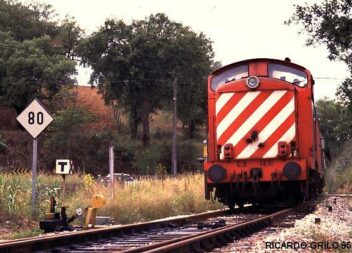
(35, 118)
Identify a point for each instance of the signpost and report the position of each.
(35, 118)
(111, 170)
(64, 167)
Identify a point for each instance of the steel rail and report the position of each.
(64, 239)
(338, 195)
(214, 238)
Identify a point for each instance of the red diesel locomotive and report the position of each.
(264, 143)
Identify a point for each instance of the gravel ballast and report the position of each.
(333, 232)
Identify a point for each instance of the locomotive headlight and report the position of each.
(252, 82)
(216, 173)
(292, 170)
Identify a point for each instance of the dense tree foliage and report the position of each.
(344, 92)
(36, 52)
(330, 23)
(66, 133)
(25, 22)
(29, 69)
(2, 144)
(334, 122)
(136, 64)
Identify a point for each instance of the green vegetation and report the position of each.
(66, 135)
(2, 144)
(339, 174)
(335, 124)
(26, 233)
(144, 200)
(329, 23)
(136, 64)
(36, 57)
(15, 192)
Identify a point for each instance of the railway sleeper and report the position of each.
(222, 240)
(259, 226)
(196, 247)
(216, 241)
(253, 228)
(247, 230)
(207, 244)
(239, 233)
(230, 236)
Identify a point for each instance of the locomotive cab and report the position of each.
(262, 137)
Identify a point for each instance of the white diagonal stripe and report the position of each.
(256, 116)
(222, 100)
(235, 111)
(268, 130)
(288, 136)
(222, 156)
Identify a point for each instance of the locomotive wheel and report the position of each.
(292, 192)
(231, 205)
(292, 200)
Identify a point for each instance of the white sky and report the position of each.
(239, 29)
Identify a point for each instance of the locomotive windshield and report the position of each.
(229, 75)
(287, 74)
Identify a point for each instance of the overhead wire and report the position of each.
(329, 78)
(163, 80)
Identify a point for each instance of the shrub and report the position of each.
(145, 199)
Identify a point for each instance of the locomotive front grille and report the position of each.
(254, 122)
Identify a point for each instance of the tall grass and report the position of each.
(144, 200)
(16, 192)
(339, 173)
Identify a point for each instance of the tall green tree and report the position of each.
(334, 123)
(25, 22)
(30, 69)
(66, 133)
(329, 23)
(36, 52)
(344, 92)
(192, 68)
(135, 64)
(68, 37)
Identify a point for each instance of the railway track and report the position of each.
(219, 237)
(287, 221)
(64, 239)
(195, 233)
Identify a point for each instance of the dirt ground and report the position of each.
(333, 233)
(15, 229)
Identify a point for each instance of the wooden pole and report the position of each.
(111, 170)
(63, 189)
(174, 136)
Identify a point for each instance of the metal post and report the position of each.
(111, 170)
(34, 174)
(63, 189)
(174, 136)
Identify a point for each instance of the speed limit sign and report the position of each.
(35, 118)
